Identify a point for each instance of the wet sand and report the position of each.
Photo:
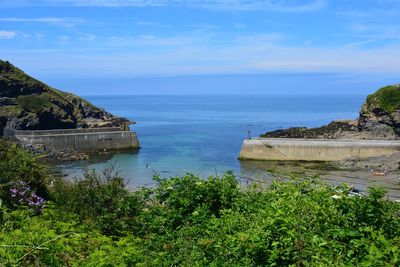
(361, 179)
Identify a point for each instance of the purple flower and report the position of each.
(13, 192)
(24, 195)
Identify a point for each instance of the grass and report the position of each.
(31, 103)
(386, 98)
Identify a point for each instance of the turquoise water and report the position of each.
(203, 134)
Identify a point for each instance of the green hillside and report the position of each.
(29, 104)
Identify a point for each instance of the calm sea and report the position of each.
(203, 134)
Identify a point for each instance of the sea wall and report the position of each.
(315, 150)
(85, 140)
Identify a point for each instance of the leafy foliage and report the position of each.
(189, 221)
(99, 198)
(17, 166)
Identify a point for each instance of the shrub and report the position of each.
(189, 221)
(18, 166)
(53, 239)
(98, 197)
(288, 223)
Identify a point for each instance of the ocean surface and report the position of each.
(203, 134)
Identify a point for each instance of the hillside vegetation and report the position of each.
(188, 221)
(387, 99)
(28, 104)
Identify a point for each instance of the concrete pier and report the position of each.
(85, 140)
(316, 149)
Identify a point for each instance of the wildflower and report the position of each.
(14, 192)
(23, 195)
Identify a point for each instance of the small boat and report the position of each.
(379, 173)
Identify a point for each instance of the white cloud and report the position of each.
(272, 5)
(180, 55)
(88, 37)
(48, 20)
(152, 24)
(7, 34)
(64, 38)
(206, 27)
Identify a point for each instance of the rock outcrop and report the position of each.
(379, 119)
(380, 114)
(28, 104)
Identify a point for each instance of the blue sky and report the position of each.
(79, 43)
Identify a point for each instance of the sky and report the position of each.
(204, 46)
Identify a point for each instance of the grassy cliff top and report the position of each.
(12, 75)
(386, 98)
(27, 103)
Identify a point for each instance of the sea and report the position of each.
(203, 134)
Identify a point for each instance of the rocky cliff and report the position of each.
(380, 114)
(379, 119)
(28, 104)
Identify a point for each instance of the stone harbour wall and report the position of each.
(315, 149)
(84, 140)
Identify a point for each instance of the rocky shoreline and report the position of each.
(390, 163)
(379, 119)
(47, 155)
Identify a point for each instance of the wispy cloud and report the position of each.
(7, 34)
(180, 55)
(152, 24)
(381, 32)
(64, 38)
(373, 23)
(88, 37)
(362, 34)
(206, 27)
(271, 5)
(170, 41)
(48, 20)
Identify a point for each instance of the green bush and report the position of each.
(189, 221)
(191, 199)
(17, 166)
(293, 223)
(98, 197)
(53, 239)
